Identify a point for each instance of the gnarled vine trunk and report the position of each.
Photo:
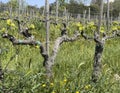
(50, 60)
(97, 61)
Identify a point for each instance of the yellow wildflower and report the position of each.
(67, 89)
(52, 84)
(3, 29)
(87, 87)
(65, 80)
(77, 92)
(79, 26)
(32, 26)
(9, 21)
(44, 85)
(102, 29)
(114, 28)
(53, 91)
(37, 46)
(12, 24)
(115, 22)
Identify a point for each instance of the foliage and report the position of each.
(72, 71)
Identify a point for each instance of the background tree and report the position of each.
(116, 8)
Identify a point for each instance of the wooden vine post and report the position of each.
(108, 14)
(56, 11)
(47, 25)
(18, 9)
(84, 15)
(119, 17)
(89, 15)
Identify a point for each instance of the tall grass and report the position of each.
(72, 69)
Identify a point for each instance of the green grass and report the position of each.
(73, 63)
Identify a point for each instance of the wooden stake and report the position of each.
(47, 25)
